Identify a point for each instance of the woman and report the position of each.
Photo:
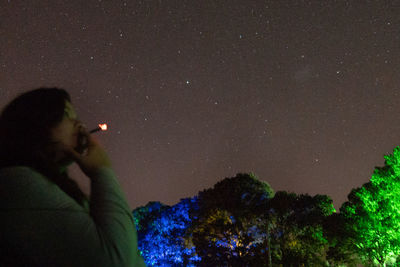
(45, 219)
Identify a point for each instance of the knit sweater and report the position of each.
(41, 225)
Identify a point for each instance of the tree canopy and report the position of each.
(229, 226)
(371, 216)
(298, 233)
(242, 222)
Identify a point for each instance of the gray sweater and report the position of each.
(43, 226)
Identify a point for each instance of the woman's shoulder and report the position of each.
(15, 175)
(16, 170)
(22, 186)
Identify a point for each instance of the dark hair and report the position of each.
(25, 125)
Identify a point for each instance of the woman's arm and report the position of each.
(48, 228)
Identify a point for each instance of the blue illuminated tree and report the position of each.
(238, 222)
(162, 231)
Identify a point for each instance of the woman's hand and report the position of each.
(91, 158)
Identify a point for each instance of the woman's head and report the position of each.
(32, 127)
(29, 122)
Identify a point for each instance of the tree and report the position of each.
(229, 227)
(297, 232)
(372, 213)
(238, 222)
(162, 233)
(340, 237)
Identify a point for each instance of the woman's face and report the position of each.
(66, 134)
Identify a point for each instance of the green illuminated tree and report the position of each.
(372, 214)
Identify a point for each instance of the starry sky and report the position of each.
(302, 93)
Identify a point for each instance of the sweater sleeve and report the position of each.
(112, 215)
(48, 228)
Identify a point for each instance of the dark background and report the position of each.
(302, 93)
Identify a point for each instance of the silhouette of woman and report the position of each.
(45, 219)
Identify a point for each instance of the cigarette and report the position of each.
(101, 127)
(95, 130)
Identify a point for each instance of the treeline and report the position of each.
(241, 221)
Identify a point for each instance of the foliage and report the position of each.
(340, 237)
(240, 222)
(228, 228)
(161, 233)
(372, 215)
(297, 230)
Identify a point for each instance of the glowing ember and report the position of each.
(103, 126)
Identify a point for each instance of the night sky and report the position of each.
(302, 93)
